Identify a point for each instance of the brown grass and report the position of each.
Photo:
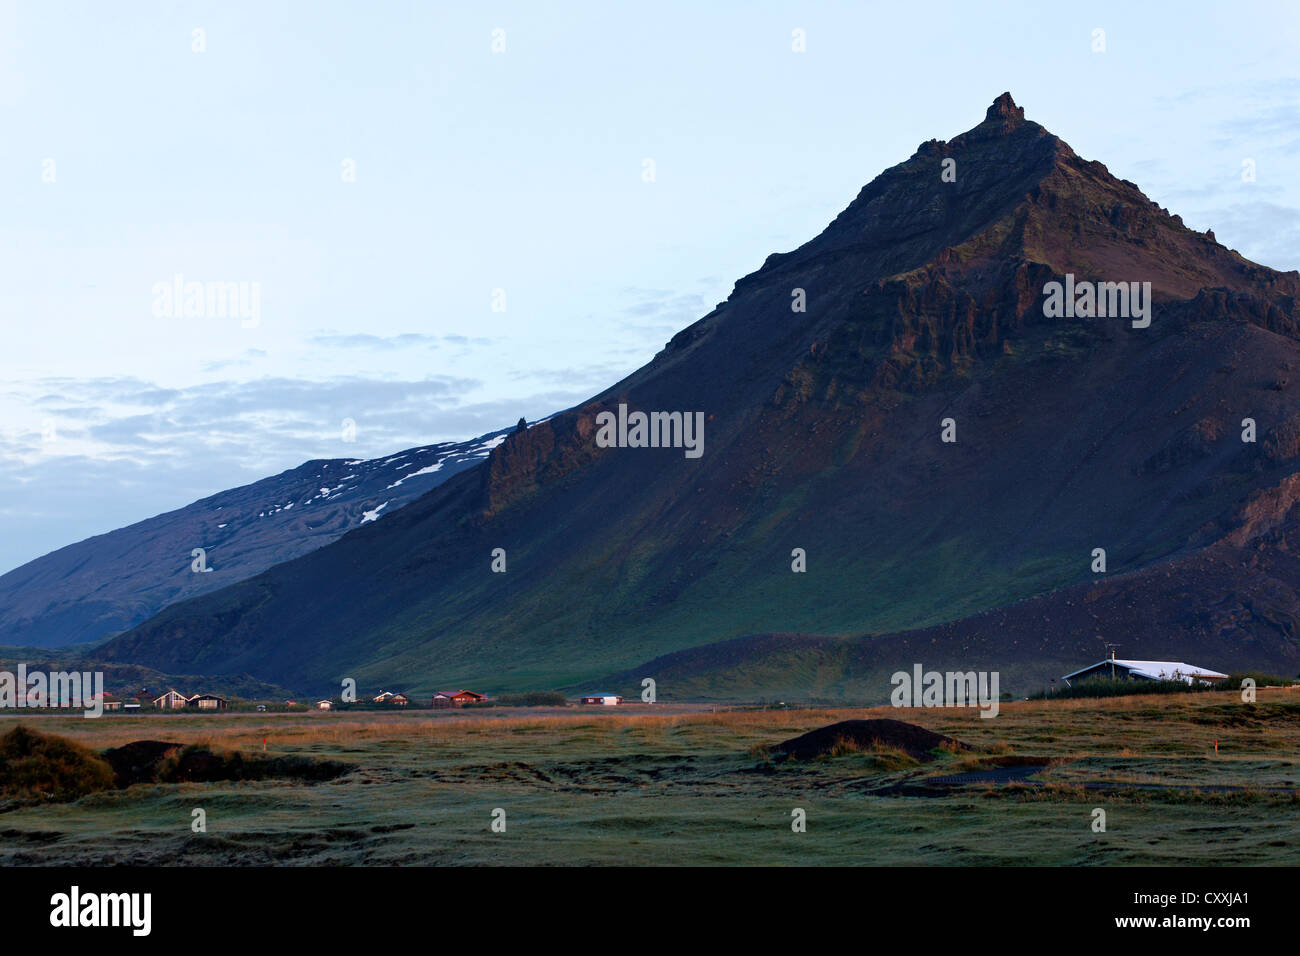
(1049, 727)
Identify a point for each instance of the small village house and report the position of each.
(171, 701)
(456, 698)
(323, 705)
(111, 701)
(208, 702)
(398, 700)
(601, 700)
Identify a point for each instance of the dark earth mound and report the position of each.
(137, 762)
(916, 741)
(157, 761)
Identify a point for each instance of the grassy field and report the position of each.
(644, 785)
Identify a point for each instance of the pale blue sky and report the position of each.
(519, 171)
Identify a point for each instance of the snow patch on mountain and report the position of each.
(423, 471)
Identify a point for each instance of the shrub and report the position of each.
(1104, 687)
(1261, 680)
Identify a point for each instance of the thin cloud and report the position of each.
(406, 340)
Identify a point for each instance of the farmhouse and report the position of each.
(393, 700)
(323, 705)
(606, 700)
(1113, 668)
(456, 698)
(111, 701)
(171, 701)
(208, 702)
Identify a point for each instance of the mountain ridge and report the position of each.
(91, 589)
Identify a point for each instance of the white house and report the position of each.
(323, 705)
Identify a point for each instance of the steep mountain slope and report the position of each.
(108, 583)
(1233, 602)
(924, 302)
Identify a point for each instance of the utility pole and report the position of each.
(1111, 647)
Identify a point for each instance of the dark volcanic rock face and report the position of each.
(924, 302)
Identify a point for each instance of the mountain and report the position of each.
(926, 300)
(106, 584)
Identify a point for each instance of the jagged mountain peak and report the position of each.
(1002, 118)
(1004, 108)
(944, 194)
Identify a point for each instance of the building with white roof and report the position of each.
(1117, 669)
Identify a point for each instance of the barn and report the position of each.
(603, 700)
(1116, 669)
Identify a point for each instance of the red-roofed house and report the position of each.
(456, 698)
